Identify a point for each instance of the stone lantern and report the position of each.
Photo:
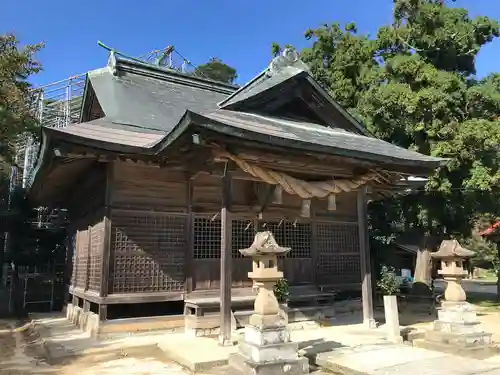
(266, 347)
(265, 274)
(457, 329)
(452, 257)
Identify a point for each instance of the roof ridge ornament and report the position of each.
(112, 62)
(289, 57)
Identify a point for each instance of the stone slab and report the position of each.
(198, 354)
(459, 339)
(298, 366)
(392, 359)
(479, 351)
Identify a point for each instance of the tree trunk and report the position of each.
(498, 286)
(498, 272)
(423, 267)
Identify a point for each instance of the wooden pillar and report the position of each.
(364, 249)
(226, 262)
(86, 306)
(188, 271)
(106, 243)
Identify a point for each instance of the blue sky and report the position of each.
(238, 32)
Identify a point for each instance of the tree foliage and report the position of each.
(16, 65)
(218, 71)
(414, 85)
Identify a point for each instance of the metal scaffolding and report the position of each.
(55, 105)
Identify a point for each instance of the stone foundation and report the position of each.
(86, 321)
(266, 349)
(208, 325)
(458, 331)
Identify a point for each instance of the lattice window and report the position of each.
(342, 269)
(82, 249)
(207, 235)
(338, 253)
(243, 236)
(148, 253)
(297, 236)
(337, 238)
(72, 244)
(95, 266)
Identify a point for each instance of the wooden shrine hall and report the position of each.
(168, 175)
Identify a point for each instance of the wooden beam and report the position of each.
(226, 261)
(270, 189)
(364, 250)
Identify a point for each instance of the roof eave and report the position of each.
(338, 107)
(220, 127)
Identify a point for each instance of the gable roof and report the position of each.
(288, 74)
(144, 98)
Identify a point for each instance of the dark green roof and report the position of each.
(134, 95)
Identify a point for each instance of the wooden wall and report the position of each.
(87, 229)
(151, 232)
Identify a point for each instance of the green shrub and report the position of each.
(388, 282)
(281, 290)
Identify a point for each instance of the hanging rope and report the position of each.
(292, 185)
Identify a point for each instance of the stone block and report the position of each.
(298, 366)
(451, 327)
(266, 321)
(269, 353)
(457, 313)
(256, 336)
(393, 331)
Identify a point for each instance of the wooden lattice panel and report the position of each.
(207, 237)
(297, 236)
(72, 243)
(95, 259)
(148, 252)
(82, 258)
(243, 236)
(338, 253)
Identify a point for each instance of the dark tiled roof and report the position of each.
(337, 140)
(261, 83)
(152, 99)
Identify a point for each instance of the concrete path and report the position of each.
(390, 359)
(472, 286)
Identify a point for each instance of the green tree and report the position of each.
(16, 65)
(413, 85)
(218, 71)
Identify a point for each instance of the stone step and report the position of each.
(479, 351)
(459, 339)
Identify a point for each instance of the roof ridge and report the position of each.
(289, 58)
(156, 72)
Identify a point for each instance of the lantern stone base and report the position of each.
(458, 331)
(266, 349)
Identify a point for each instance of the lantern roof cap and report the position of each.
(264, 244)
(452, 248)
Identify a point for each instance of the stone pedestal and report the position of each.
(266, 348)
(391, 313)
(457, 329)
